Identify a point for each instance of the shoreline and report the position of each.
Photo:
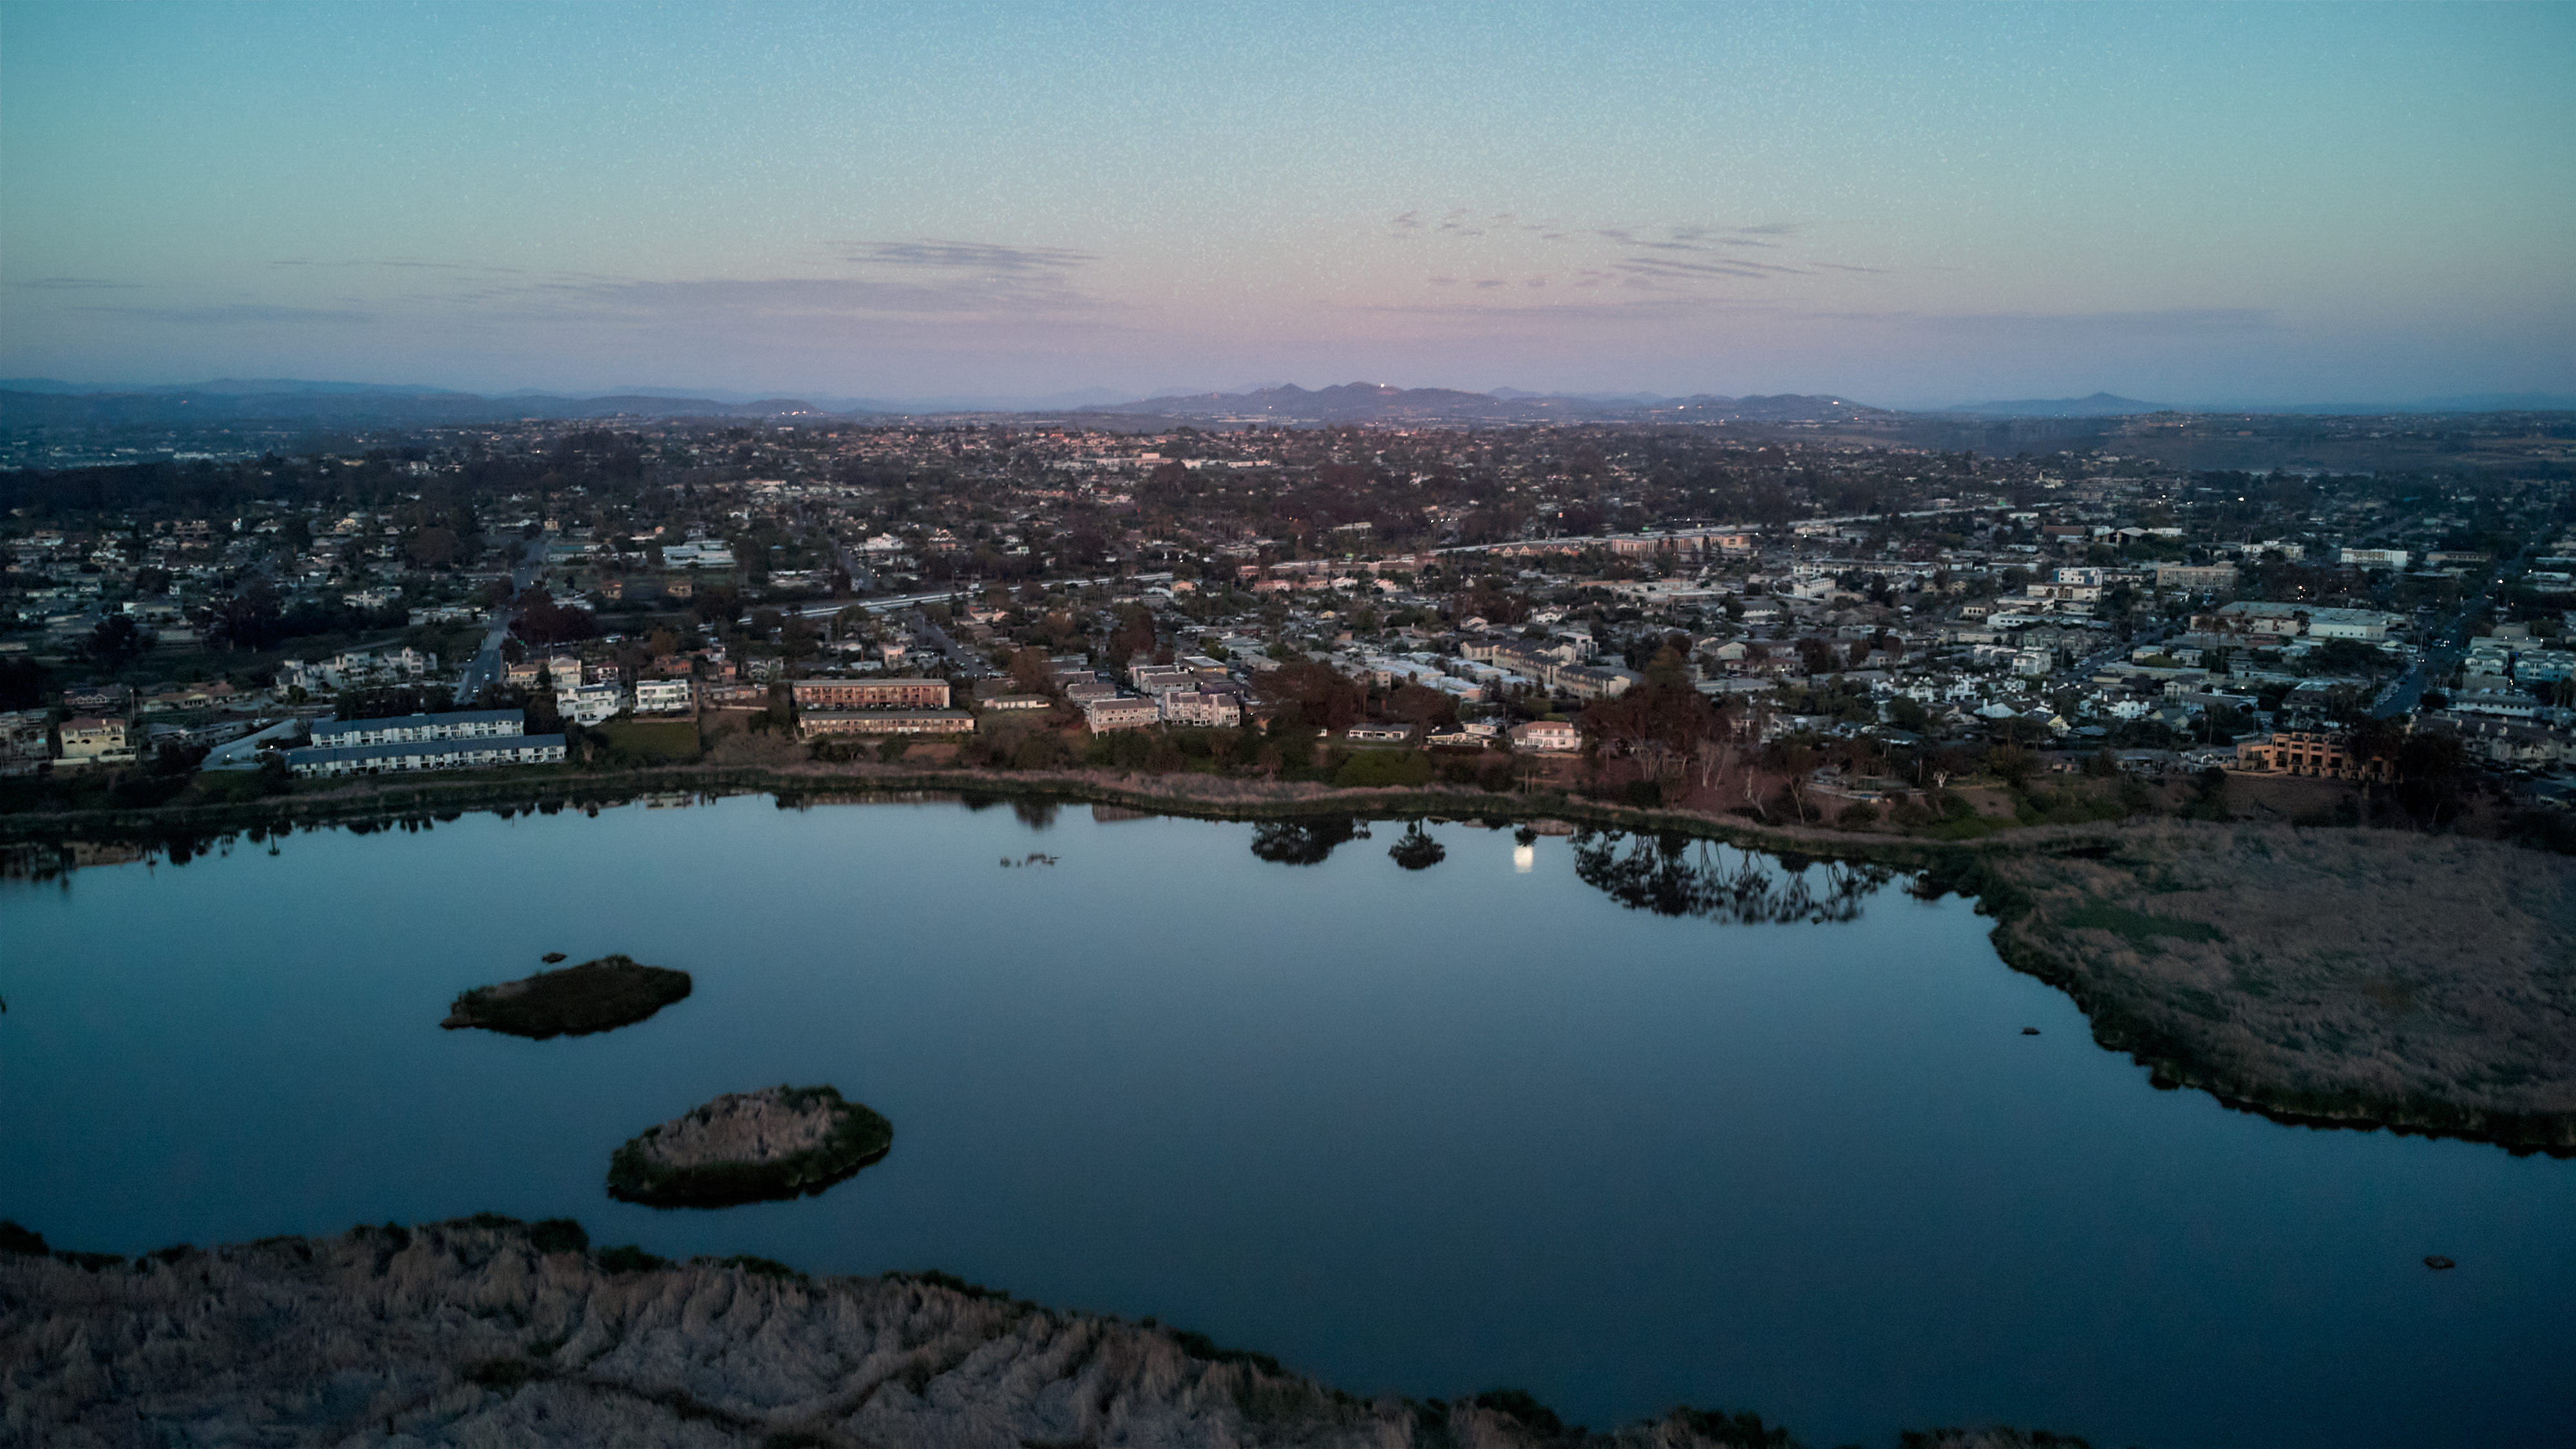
(2157, 1040)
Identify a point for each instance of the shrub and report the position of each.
(558, 1235)
(1381, 769)
(1199, 1345)
(762, 1267)
(1645, 794)
(1521, 1405)
(1731, 1431)
(1859, 815)
(628, 1258)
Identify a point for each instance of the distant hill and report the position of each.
(38, 401)
(1354, 402)
(2099, 405)
(1346, 402)
(224, 387)
(346, 405)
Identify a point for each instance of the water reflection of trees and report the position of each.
(1417, 850)
(1302, 842)
(1674, 875)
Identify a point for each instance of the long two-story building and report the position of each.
(481, 753)
(870, 693)
(463, 724)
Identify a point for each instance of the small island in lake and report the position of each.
(778, 1142)
(600, 995)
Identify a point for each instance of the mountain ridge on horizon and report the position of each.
(38, 400)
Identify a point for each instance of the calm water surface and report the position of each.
(1428, 1132)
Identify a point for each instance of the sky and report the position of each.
(1915, 205)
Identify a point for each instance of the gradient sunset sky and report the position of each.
(1912, 205)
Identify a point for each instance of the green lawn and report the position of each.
(654, 741)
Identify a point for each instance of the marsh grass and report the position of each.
(2136, 927)
(2359, 977)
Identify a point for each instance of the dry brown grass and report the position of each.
(2355, 975)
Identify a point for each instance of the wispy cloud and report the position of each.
(73, 284)
(232, 314)
(852, 296)
(961, 256)
(1681, 259)
(2166, 322)
(900, 277)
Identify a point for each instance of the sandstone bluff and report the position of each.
(488, 1331)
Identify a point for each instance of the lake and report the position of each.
(1422, 1131)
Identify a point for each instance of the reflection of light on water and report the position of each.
(1523, 857)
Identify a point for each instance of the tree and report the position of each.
(22, 683)
(1032, 671)
(1797, 760)
(117, 641)
(1657, 724)
(433, 548)
(1316, 694)
(2010, 763)
(1422, 707)
(2432, 776)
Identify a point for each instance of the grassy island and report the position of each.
(600, 995)
(778, 1142)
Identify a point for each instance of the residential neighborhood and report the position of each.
(1282, 600)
